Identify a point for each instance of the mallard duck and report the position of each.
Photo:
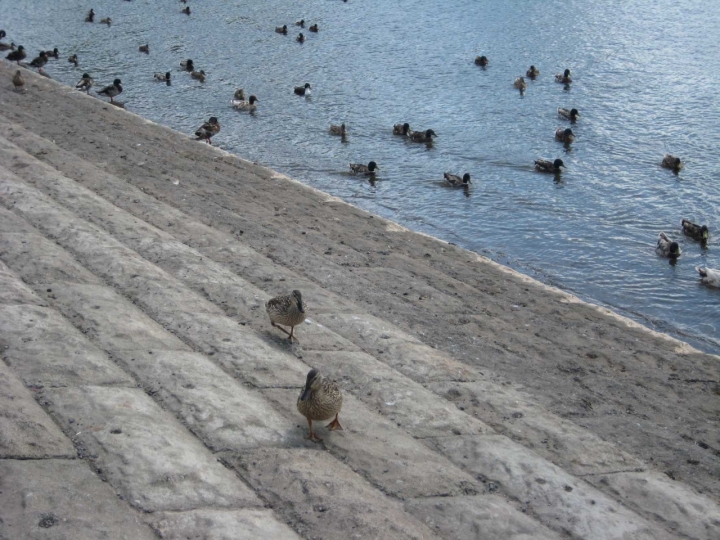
(85, 83)
(55, 53)
(281, 29)
(532, 72)
(314, 28)
(90, 16)
(666, 247)
(565, 78)
(39, 61)
(198, 75)
(367, 170)
(338, 130)
(162, 77)
(455, 181)
(520, 84)
(571, 114)
(6, 47)
(106, 20)
(287, 310)
(709, 276)
(481, 61)
(672, 162)
(401, 129)
(187, 65)
(115, 89)
(320, 400)
(303, 90)
(239, 94)
(694, 231)
(547, 166)
(300, 38)
(300, 23)
(564, 135)
(242, 105)
(144, 48)
(18, 81)
(422, 136)
(185, 10)
(73, 60)
(208, 130)
(16, 56)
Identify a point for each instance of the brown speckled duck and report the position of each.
(287, 310)
(208, 130)
(366, 170)
(320, 400)
(695, 231)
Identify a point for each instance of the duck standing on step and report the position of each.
(320, 400)
(16, 56)
(286, 310)
(85, 83)
(113, 90)
(39, 61)
(18, 81)
(208, 130)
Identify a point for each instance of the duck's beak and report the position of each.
(306, 394)
(705, 235)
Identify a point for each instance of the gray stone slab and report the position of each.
(380, 451)
(396, 348)
(62, 500)
(44, 349)
(37, 260)
(671, 503)
(14, 291)
(514, 414)
(10, 223)
(323, 498)
(144, 452)
(25, 430)
(395, 396)
(559, 500)
(224, 413)
(485, 517)
(207, 524)
(111, 320)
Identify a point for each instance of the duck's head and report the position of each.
(674, 249)
(213, 120)
(342, 128)
(117, 82)
(574, 113)
(21, 48)
(312, 383)
(55, 51)
(705, 232)
(253, 99)
(557, 164)
(430, 134)
(2, 34)
(86, 76)
(372, 166)
(466, 179)
(297, 298)
(284, 28)
(307, 85)
(189, 63)
(167, 76)
(566, 73)
(568, 133)
(678, 163)
(406, 128)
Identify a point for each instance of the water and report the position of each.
(645, 75)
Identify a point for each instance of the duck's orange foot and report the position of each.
(314, 438)
(334, 425)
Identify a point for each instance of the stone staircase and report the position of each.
(144, 394)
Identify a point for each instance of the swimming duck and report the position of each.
(695, 231)
(367, 170)
(73, 60)
(481, 61)
(300, 38)
(115, 89)
(208, 130)
(106, 20)
(571, 114)
(422, 136)
(565, 78)
(314, 28)
(85, 83)
(709, 276)
(144, 48)
(281, 29)
(16, 56)
(338, 130)
(320, 400)
(455, 181)
(198, 75)
(90, 16)
(187, 65)
(532, 72)
(6, 47)
(162, 78)
(401, 129)
(287, 310)
(303, 90)
(672, 162)
(520, 84)
(300, 23)
(564, 135)
(39, 61)
(53, 54)
(185, 10)
(547, 166)
(18, 81)
(242, 105)
(667, 248)
(239, 94)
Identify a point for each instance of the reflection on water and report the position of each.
(645, 85)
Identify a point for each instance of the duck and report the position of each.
(7, 47)
(185, 10)
(340, 130)
(106, 20)
(144, 48)
(422, 136)
(314, 28)
(547, 166)
(18, 81)
(520, 84)
(281, 29)
(481, 61)
(239, 94)
(16, 56)
(666, 247)
(286, 310)
(198, 75)
(242, 105)
(90, 16)
(73, 60)
(303, 90)
(564, 135)
(300, 23)
(454, 180)
(300, 38)
(113, 90)
(208, 130)
(53, 54)
(565, 78)
(401, 129)
(532, 72)
(3, 34)
(672, 162)
(367, 170)
(162, 78)
(709, 276)
(39, 61)
(85, 83)
(319, 400)
(695, 231)
(187, 65)
(568, 114)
